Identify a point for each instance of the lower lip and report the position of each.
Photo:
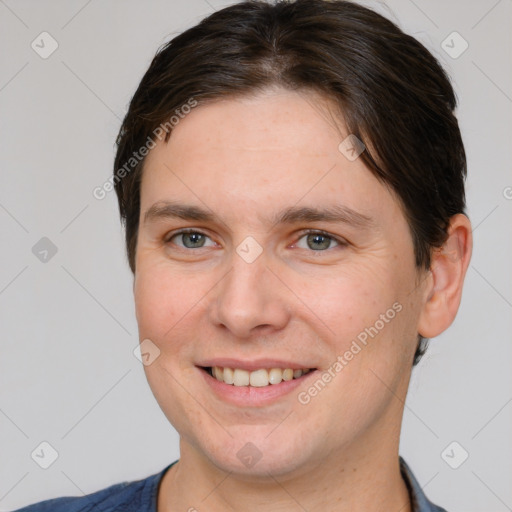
(250, 396)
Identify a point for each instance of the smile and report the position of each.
(257, 378)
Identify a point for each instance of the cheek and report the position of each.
(161, 300)
(152, 304)
(171, 309)
(366, 315)
(351, 299)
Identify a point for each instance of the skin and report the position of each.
(245, 159)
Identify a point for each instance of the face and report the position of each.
(263, 249)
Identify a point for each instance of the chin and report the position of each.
(253, 453)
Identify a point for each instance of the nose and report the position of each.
(250, 300)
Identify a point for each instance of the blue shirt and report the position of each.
(141, 496)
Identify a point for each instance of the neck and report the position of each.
(369, 480)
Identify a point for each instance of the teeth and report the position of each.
(229, 376)
(259, 378)
(288, 374)
(275, 376)
(241, 377)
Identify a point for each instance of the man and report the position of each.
(291, 179)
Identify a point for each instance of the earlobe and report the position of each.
(448, 269)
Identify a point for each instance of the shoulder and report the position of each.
(139, 495)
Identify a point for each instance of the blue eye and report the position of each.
(318, 241)
(191, 240)
(313, 240)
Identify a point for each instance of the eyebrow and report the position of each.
(167, 210)
(163, 210)
(337, 213)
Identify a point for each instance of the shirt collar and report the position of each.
(419, 502)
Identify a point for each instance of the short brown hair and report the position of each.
(393, 94)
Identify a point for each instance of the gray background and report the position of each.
(67, 369)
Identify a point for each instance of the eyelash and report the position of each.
(339, 241)
(182, 231)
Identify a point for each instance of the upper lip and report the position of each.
(252, 365)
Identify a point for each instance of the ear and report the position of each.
(444, 287)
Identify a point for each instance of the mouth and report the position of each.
(260, 378)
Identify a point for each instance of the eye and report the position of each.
(318, 241)
(190, 239)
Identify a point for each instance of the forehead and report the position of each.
(270, 149)
(276, 122)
